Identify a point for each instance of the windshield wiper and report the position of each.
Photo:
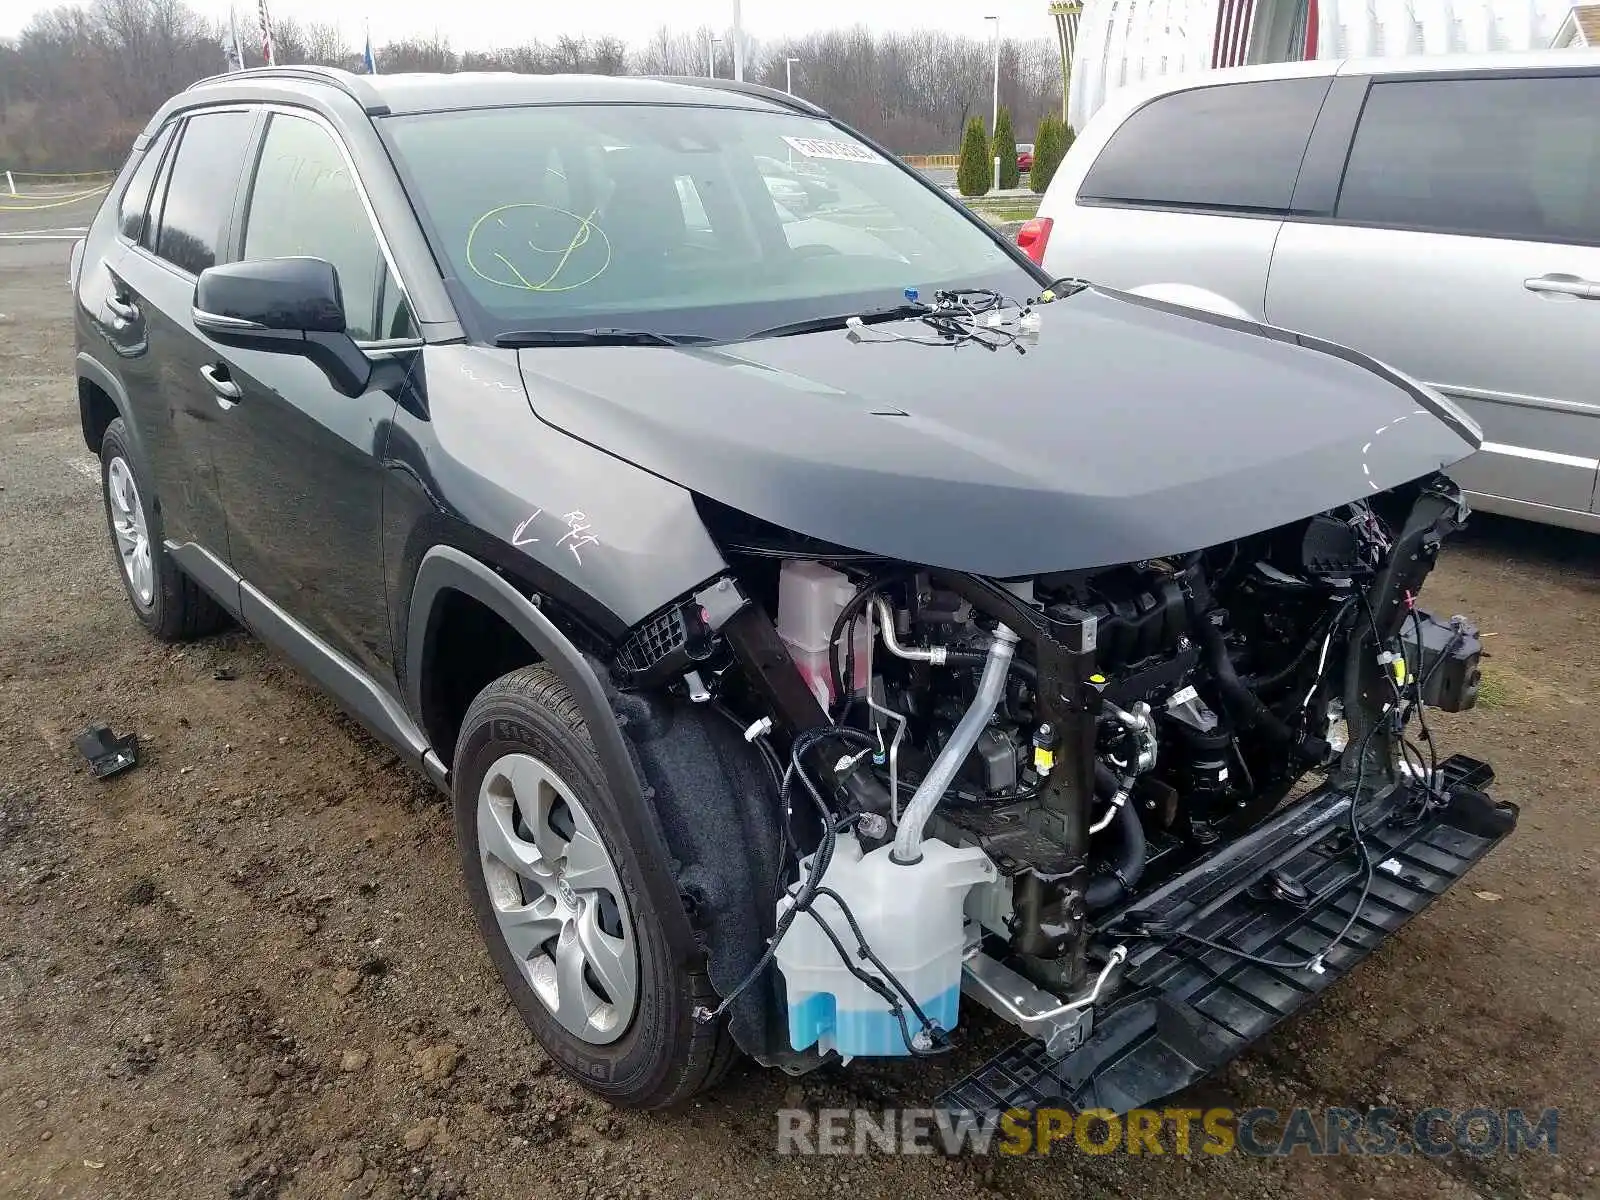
(596, 337)
(894, 312)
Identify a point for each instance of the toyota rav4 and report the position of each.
(823, 622)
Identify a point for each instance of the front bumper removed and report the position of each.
(1184, 1008)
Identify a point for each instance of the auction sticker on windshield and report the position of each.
(841, 151)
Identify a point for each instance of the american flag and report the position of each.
(1231, 43)
(268, 53)
(231, 48)
(1068, 15)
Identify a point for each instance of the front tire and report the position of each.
(560, 907)
(167, 602)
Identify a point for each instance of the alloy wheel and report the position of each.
(131, 531)
(557, 898)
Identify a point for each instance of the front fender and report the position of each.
(444, 569)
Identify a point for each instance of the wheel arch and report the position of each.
(101, 400)
(445, 571)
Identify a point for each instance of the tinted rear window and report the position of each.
(1515, 158)
(136, 199)
(1236, 147)
(201, 189)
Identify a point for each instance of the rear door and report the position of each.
(1190, 188)
(162, 353)
(1463, 247)
(101, 291)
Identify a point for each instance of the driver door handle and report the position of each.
(1564, 285)
(123, 310)
(216, 375)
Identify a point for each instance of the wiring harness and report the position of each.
(960, 316)
(929, 1038)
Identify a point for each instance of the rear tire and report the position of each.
(536, 827)
(167, 602)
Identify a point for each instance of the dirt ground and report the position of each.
(245, 968)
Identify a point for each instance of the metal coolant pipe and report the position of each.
(991, 688)
(936, 654)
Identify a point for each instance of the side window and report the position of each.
(158, 197)
(1235, 147)
(136, 197)
(1517, 158)
(201, 187)
(304, 202)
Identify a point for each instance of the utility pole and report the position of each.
(994, 116)
(788, 74)
(738, 44)
(711, 57)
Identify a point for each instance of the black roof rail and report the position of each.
(748, 89)
(355, 86)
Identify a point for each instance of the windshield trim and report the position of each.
(480, 328)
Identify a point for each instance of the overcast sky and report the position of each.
(474, 24)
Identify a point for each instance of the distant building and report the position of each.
(1581, 28)
(1107, 44)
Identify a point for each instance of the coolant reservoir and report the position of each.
(810, 597)
(910, 916)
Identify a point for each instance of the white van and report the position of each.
(1441, 214)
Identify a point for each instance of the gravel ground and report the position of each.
(245, 967)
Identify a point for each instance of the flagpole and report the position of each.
(268, 51)
(233, 32)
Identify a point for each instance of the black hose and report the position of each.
(1107, 887)
(1243, 704)
(1105, 780)
(973, 658)
(1277, 680)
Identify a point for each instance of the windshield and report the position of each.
(683, 220)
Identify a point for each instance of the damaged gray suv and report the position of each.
(825, 625)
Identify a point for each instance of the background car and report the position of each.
(1025, 157)
(786, 192)
(797, 188)
(1439, 214)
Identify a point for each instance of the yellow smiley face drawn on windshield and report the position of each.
(537, 248)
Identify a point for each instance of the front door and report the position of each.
(299, 464)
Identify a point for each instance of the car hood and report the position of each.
(1132, 429)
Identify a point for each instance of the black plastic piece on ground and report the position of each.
(1459, 771)
(1186, 1009)
(108, 754)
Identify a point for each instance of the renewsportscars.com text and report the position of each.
(1259, 1132)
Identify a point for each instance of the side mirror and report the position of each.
(283, 306)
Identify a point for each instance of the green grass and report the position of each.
(1006, 209)
(1006, 214)
(1492, 691)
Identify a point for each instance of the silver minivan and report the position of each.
(1440, 214)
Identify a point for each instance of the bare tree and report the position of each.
(78, 83)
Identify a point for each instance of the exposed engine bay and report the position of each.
(982, 782)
